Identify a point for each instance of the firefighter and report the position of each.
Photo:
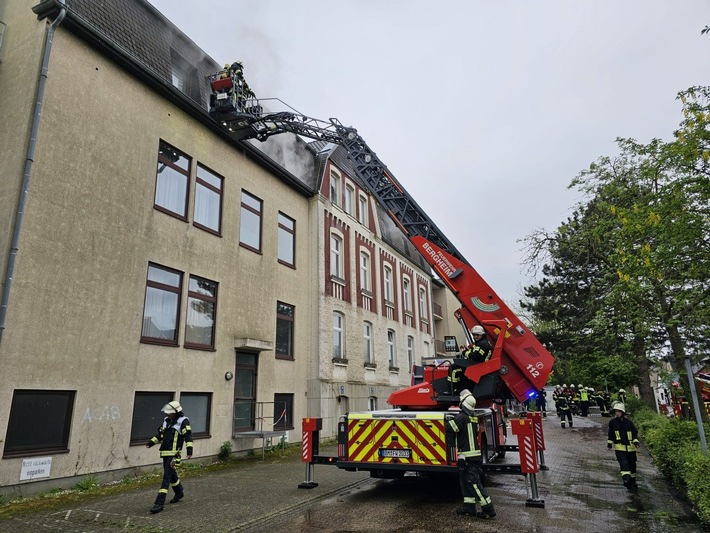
(481, 350)
(463, 428)
(583, 399)
(563, 403)
(621, 396)
(172, 434)
(541, 402)
(623, 438)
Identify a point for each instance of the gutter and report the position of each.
(24, 190)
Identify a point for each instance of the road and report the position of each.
(581, 490)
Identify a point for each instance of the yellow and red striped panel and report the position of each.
(416, 438)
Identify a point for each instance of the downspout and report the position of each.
(20, 214)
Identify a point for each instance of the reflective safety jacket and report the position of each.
(464, 428)
(480, 352)
(622, 435)
(172, 435)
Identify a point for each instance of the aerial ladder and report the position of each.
(519, 365)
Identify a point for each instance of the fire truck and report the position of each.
(411, 435)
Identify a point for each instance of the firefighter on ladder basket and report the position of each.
(478, 352)
(464, 429)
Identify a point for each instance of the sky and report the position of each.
(484, 110)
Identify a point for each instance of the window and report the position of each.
(208, 200)
(147, 416)
(201, 309)
(336, 245)
(184, 76)
(334, 188)
(162, 306)
(426, 349)
(284, 330)
(423, 309)
(407, 296)
(39, 422)
(283, 411)
(198, 407)
(338, 337)
(367, 338)
(172, 181)
(250, 229)
(245, 392)
(387, 281)
(364, 271)
(287, 240)
(410, 351)
(349, 197)
(391, 348)
(362, 210)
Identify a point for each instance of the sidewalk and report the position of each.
(582, 491)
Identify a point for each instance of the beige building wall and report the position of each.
(90, 230)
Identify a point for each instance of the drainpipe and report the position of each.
(24, 191)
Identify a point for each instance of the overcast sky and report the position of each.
(483, 110)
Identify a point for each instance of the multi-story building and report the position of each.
(146, 257)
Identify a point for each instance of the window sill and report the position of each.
(340, 361)
(370, 365)
(394, 369)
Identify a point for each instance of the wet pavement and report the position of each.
(581, 490)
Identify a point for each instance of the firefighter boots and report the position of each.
(469, 510)
(156, 508)
(487, 511)
(178, 496)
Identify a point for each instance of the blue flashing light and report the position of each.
(530, 395)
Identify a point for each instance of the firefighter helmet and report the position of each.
(571, 386)
(172, 407)
(580, 386)
(564, 385)
(467, 401)
(477, 330)
(622, 391)
(618, 406)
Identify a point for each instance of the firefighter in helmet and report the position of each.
(172, 434)
(481, 350)
(623, 438)
(463, 428)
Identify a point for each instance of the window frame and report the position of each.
(336, 257)
(338, 333)
(208, 414)
(186, 172)
(335, 187)
(407, 294)
(154, 417)
(365, 266)
(192, 295)
(392, 348)
(166, 288)
(259, 213)
(47, 443)
(291, 320)
(411, 355)
(368, 352)
(387, 292)
(363, 206)
(423, 308)
(202, 184)
(283, 230)
(349, 197)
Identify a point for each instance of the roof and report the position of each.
(140, 39)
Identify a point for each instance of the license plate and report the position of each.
(222, 96)
(399, 454)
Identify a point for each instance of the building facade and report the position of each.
(148, 257)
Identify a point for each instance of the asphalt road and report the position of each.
(581, 490)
